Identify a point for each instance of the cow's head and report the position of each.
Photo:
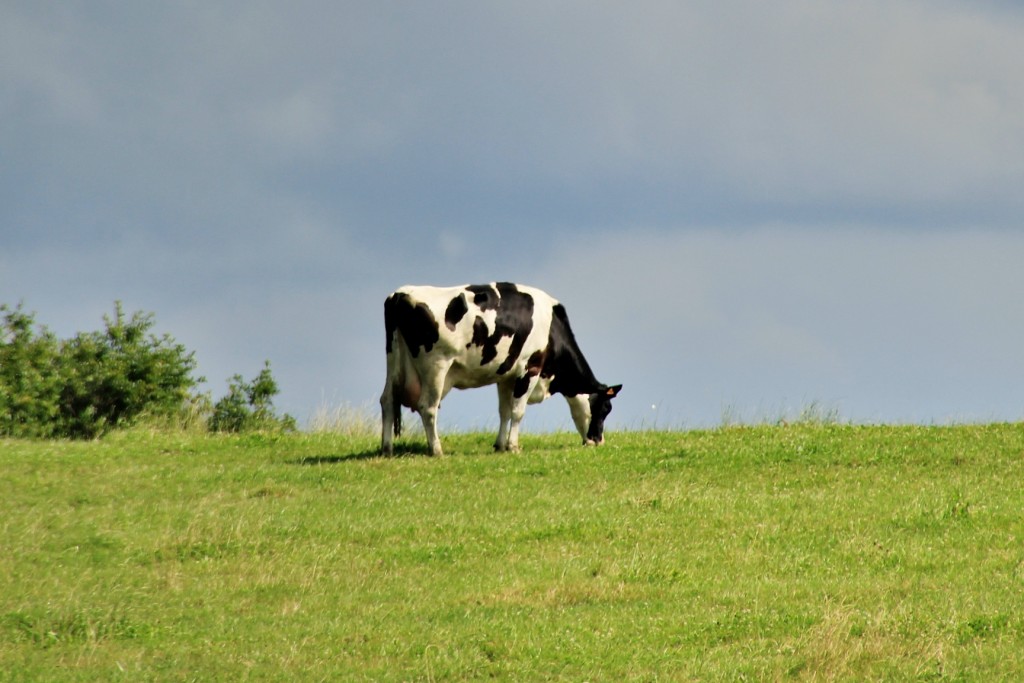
(600, 406)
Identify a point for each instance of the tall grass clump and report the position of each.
(345, 420)
(813, 413)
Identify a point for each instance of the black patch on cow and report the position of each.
(572, 375)
(490, 351)
(514, 319)
(479, 333)
(564, 360)
(414, 322)
(533, 368)
(484, 297)
(390, 318)
(456, 310)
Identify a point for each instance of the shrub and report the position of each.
(29, 376)
(248, 406)
(92, 383)
(98, 381)
(112, 377)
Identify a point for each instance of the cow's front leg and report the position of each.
(511, 409)
(504, 416)
(518, 411)
(579, 406)
(429, 405)
(429, 416)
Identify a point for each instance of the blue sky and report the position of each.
(746, 207)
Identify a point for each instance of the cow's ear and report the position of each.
(612, 392)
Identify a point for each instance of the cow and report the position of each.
(514, 336)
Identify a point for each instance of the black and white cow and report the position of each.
(518, 337)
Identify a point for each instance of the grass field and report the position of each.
(801, 552)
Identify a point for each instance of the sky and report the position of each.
(749, 209)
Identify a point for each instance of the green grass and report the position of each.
(800, 552)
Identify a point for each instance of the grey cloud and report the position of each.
(575, 111)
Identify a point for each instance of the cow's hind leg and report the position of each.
(391, 419)
(387, 418)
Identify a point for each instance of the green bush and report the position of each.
(248, 406)
(94, 382)
(30, 379)
(112, 377)
(98, 381)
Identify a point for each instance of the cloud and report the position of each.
(727, 109)
(463, 116)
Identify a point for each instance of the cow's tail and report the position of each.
(394, 385)
(394, 362)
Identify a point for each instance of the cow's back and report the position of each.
(484, 333)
